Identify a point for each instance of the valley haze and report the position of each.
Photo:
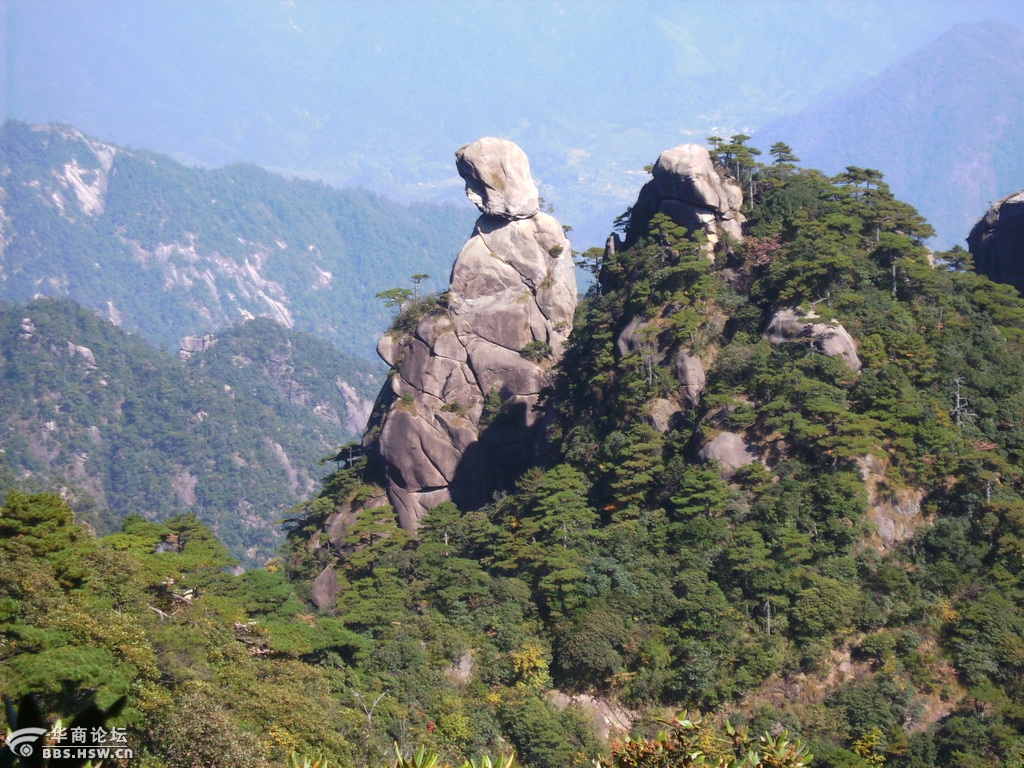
(378, 95)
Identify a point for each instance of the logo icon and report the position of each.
(21, 740)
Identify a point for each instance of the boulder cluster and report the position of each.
(461, 413)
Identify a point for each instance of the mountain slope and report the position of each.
(784, 485)
(821, 535)
(168, 251)
(946, 124)
(233, 433)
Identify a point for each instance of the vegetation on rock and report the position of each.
(854, 590)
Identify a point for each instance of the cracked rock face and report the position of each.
(459, 417)
(690, 191)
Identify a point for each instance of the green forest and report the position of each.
(174, 249)
(766, 601)
(234, 432)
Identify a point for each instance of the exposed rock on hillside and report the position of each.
(790, 325)
(997, 242)
(689, 190)
(88, 358)
(690, 373)
(192, 345)
(232, 432)
(81, 186)
(459, 416)
(167, 251)
(895, 512)
(661, 413)
(641, 336)
(728, 448)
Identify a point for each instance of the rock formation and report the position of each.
(88, 358)
(687, 188)
(460, 415)
(690, 191)
(639, 336)
(832, 339)
(193, 345)
(997, 242)
(729, 449)
(498, 180)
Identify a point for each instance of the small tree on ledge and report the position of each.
(536, 351)
(395, 298)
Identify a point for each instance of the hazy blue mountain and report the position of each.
(233, 433)
(166, 250)
(946, 124)
(379, 95)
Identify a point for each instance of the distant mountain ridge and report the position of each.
(169, 251)
(945, 123)
(233, 432)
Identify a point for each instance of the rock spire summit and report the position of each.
(460, 415)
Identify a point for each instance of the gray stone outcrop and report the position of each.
(688, 188)
(88, 358)
(193, 345)
(498, 180)
(661, 413)
(729, 449)
(997, 242)
(789, 325)
(459, 415)
(689, 371)
(324, 589)
(639, 335)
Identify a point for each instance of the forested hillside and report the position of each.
(848, 567)
(822, 537)
(168, 251)
(234, 433)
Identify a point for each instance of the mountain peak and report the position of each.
(461, 416)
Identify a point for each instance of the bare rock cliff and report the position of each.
(461, 413)
(997, 242)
